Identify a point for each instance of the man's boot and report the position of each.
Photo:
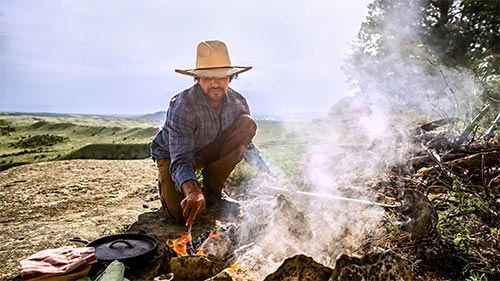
(220, 202)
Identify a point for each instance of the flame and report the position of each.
(211, 235)
(237, 269)
(179, 244)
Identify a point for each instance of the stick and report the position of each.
(328, 196)
(473, 124)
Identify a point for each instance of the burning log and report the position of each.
(191, 262)
(180, 245)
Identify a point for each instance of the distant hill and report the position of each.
(158, 117)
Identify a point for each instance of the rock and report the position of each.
(417, 214)
(302, 268)
(226, 275)
(196, 267)
(300, 229)
(376, 266)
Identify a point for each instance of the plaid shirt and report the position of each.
(192, 124)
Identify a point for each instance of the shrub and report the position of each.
(110, 151)
(6, 130)
(39, 140)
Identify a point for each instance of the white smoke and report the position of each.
(281, 224)
(365, 137)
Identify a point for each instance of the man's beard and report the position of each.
(215, 94)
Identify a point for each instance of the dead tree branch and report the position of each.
(455, 99)
(466, 132)
(491, 130)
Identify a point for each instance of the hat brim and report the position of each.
(217, 72)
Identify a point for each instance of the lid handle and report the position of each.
(121, 241)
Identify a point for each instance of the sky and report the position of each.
(118, 57)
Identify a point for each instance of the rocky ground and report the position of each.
(43, 205)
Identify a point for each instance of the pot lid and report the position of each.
(123, 246)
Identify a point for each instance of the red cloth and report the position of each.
(68, 259)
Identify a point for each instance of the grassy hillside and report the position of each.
(33, 138)
(281, 145)
(29, 138)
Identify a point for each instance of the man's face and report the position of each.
(214, 88)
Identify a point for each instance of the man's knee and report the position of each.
(247, 121)
(246, 127)
(170, 201)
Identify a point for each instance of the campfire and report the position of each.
(181, 248)
(192, 263)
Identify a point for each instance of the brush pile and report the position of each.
(461, 178)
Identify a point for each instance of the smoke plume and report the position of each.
(362, 138)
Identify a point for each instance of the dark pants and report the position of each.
(217, 160)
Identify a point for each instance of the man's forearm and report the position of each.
(182, 173)
(189, 187)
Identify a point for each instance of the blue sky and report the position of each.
(118, 57)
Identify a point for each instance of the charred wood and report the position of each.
(435, 124)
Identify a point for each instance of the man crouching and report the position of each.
(209, 128)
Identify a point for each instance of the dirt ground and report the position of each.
(43, 205)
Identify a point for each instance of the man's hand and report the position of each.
(194, 203)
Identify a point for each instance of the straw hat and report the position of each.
(212, 60)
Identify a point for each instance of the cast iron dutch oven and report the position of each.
(129, 248)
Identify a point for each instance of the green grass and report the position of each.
(35, 138)
(110, 151)
(26, 138)
(282, 147)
